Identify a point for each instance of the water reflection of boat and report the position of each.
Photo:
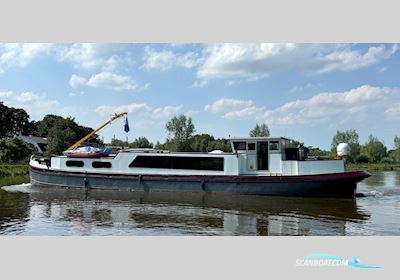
(207, 213)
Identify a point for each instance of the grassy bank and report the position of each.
(13, 169)
(13, 180)
(373, 167)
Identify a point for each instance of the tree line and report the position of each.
(372, 151)
(63, 132)
(60, 133)
(181, 138)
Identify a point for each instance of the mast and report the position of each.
(77, 144)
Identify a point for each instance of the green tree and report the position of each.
(315, 151)
(141, 142)
(43, 126)
(374, 149)
(361, 159)
(294, 144)
(350, 137)
(201, 142)
(395, 153)
(180, 130)
(167, 146)
(260, 131)
(64, 133)
(119, 143)
(14, 150)
(95, 141)
(220, 144)
(14, 121)
(159, 146)
(61, 135)
(397, 142)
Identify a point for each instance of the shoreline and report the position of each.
(372, 167)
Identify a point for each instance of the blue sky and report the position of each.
(302, 91)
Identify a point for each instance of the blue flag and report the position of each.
(126, 127)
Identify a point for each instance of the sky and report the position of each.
(302, 91)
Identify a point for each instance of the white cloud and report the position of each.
(130, 108)
(90, 56)
(199, 84)
(73, 94)
(164, 60)
(166, 112)
(226, 104)
(191, 113)
(83, 56)
(382, 69)
(256, 61)
(234, 109)
(36, 105)
(141, 110)
(365, 103)
(106, 80)
(20, 55)
(307, 86)
(112, 81)
(76, 81)
(245, 113)
(393, 111)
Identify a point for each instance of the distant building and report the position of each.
(39, 143)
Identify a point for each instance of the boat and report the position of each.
(256, 166)
(87, 152)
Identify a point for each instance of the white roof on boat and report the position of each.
(155, 151)
(258, 138)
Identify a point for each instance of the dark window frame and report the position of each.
(253, 146)
(75, 163)
(101, 164)
(179, 163)
(242, 146)
(274, 146)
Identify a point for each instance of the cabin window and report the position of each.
(75, 163)
(167, 162)
(101, 164)
(251, 146)
(239, 145)
(274, 146)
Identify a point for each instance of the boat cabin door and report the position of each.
(262, 155)
(251, 156)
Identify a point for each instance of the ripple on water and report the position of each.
(29, 210)
(22, 188)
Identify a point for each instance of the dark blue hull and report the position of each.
(324, 185)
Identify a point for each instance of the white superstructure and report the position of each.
(251, 156)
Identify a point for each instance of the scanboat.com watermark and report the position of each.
(320, 260)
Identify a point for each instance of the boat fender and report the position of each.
(85, 182)
(140, 178)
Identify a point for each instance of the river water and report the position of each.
(25, 210)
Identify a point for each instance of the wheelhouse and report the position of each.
(278, 156)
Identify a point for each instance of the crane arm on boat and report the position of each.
(77, 144)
